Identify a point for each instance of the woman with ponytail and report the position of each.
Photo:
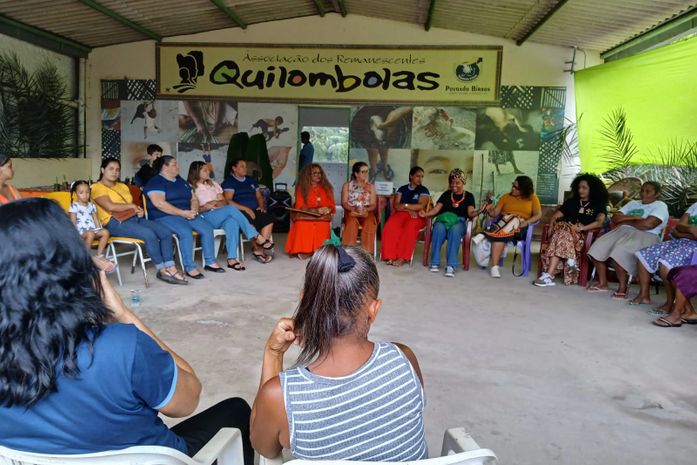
(347, 397)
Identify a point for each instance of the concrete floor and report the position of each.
(540, 376)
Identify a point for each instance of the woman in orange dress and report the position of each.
(7, 192)
(313, 194)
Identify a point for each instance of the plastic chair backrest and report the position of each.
(132, 455)
(62, 198)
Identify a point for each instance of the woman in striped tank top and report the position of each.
(347, 397)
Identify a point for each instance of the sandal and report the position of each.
(237, 266)
(595, 288)
(169, 278)
(619, 295)
(267, 242)
(665, 323)
(261, 258)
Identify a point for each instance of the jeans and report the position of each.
(184, 229)
(231, 220)
(158, 239)
(454, 238)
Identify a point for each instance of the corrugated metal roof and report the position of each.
(588, 24)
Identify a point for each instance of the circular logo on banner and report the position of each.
(468, 71)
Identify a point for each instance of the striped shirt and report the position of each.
(373, 414)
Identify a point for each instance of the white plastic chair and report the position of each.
(459, 448)
(217, 233)
(225, 447)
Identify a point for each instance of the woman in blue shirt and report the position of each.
(172, 203)
(80, 373)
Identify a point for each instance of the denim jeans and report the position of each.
(454, 238)
(231, 220)
(158, 239)
(184, 229)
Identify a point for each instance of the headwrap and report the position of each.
(459, 174)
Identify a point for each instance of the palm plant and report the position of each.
(675, 167)
(36, 118)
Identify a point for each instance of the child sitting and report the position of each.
(83, 214)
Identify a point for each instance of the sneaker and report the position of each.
(449, 272)
(434, 268)
(571, 266)
(544, 280)
(494, 272)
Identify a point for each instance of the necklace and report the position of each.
(456, 203)
(583, 207)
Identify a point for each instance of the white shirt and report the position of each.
(644, 210)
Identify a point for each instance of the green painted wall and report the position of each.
(658, 91)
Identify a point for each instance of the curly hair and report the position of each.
(50, 300)
(597, 191)
(305, 179)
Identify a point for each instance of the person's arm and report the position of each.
(229, 194)
(598, 223)
(158, 199)
(188, 390)
(683, 230)
(432, 212)
(373, 200)
(260, 201)
(344, 199)
(268, 415)
(95, 218)
(194, 202)
(645, 224)
(536, 215)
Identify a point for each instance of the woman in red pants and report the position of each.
(402, 229)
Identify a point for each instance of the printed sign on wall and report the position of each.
(452, 75)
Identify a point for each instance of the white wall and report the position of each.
(529, 64)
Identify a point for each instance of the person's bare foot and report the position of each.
(666, 307)
(304, 256)
(103, 264)
(638, 300)
(399, 262)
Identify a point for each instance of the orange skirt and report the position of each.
(306, 236)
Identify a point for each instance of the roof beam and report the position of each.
(320, 8)
(230, 13)
(42, 38)
(122, 19)
(541, 22)
(670, 30)
(341, 6)
(429, 18)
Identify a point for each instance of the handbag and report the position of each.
(449, 219)
(505, 228)
(123, 215)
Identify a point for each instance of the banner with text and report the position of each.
(452, 75)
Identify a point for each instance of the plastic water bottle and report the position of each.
(135, 299)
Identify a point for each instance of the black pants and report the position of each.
(260, 220)
(199, 429)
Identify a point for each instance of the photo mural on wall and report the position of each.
(492, 145)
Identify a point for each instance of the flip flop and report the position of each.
(636, 304)
(237, 266)
(619, 295)
(261, 258)
(657, 313)
(267, 242)
(594, 289)
(663, 323)
(689, 321)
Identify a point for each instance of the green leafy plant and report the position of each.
(36, 115)
(675, 167)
